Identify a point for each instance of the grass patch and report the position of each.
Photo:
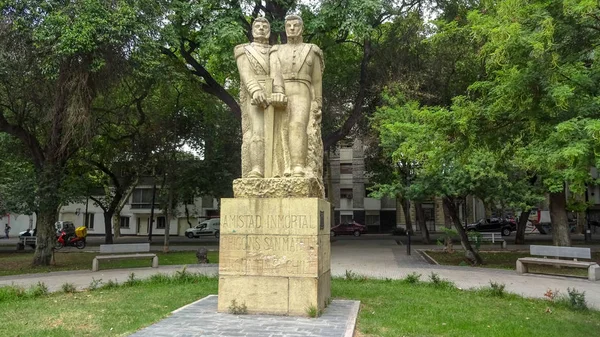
(399, 308)
(507, 260)
(20, 263)
(388, 308)
(115, 311)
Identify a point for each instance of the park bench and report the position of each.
(26, 241)
(493, 237)
(573, 253)
(134, 248)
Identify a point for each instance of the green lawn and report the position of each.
(388, 308)
(505, 260)
(20, 263)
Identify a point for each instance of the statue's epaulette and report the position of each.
(317, 50)
(239, 50)
(319, 53)
(274, 48)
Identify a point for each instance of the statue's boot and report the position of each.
(298, 148)
(257, 155)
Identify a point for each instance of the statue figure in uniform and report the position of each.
(257, 93)
(301, 67)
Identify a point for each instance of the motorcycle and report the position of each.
(65, 240)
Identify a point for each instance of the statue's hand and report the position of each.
(316, 109)
(278, 99)
(259, 98)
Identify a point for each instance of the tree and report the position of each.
(540, 88)
(55, 58)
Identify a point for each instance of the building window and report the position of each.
(124, 221)
(160, 222)
(372, 220)
(141, 198)
(346, 218)
(346, 168)
(346, 193)
(89, 223)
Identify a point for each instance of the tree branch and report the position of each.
(108, 172)
(98, 202)
(27, 138)
(211, 86)
(357, 109)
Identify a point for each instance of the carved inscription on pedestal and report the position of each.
(271, 223)
(232, 255)
(269, 255)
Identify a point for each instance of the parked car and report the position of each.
(353, 228)
(208, 227)
(502, 225)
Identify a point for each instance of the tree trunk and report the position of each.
(116, 225)
(421, 221)
(406, 207)
(122, 201)
(558, 217)
(151, 220)
(168, 219)
(449, 246)
(470, 253)
(108, 238)
(521, 224)
(581, 221)
(47, 194)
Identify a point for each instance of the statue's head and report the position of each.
(293, 26)
(261, 29)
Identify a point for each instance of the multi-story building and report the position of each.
(347, 191)
(135, 215)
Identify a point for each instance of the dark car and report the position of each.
(502, 225)
(353, 228)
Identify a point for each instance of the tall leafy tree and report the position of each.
(540, 90)
(55, 58)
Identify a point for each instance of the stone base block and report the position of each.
(292, 296)
(274, 255)
(278, 188)
(594, 273)
(521, 267)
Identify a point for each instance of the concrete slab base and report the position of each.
(202, 319)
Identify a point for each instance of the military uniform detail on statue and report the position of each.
(281, 100)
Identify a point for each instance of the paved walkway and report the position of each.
(202, 319)
(372, 258)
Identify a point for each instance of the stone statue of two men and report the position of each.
(281, 100)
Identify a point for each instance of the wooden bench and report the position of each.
(557, 252)
(136, 248)
(26, 241)
(493, 237)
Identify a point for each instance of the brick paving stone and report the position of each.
(202, 319)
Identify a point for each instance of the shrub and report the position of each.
(497, 289)
(439, 282)
(68, 287)
(577, 299)
(413, 278)
(38, 290)
(95, 284)
(236, 309)
(313, 312)
(352, 276)
(131, 280)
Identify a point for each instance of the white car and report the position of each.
(208, 227)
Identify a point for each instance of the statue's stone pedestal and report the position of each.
(278, 188)
(274, 255)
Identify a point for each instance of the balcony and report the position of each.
(143, 206)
